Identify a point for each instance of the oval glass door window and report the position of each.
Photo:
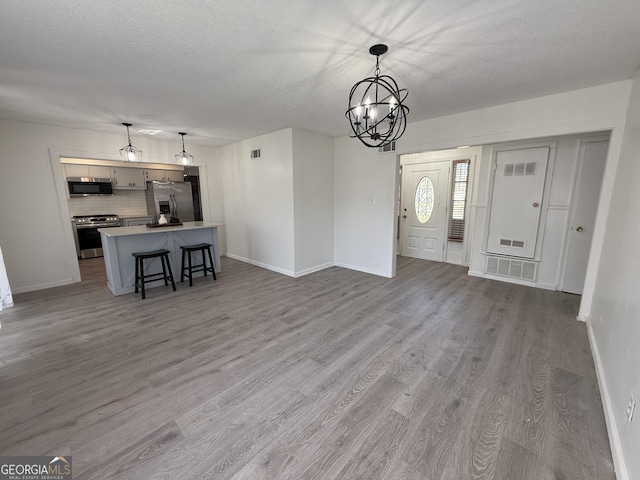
(424, 199)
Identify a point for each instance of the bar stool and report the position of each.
(141, 278)
(188, 250)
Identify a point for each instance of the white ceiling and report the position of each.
(231, 69)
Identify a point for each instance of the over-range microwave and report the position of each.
(83, 187)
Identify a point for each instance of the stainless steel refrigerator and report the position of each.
(172, 198)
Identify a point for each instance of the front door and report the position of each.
(593, 156)
(424, 210)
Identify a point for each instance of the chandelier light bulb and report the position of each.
(392, 104)
(358, 112)
(131, 156)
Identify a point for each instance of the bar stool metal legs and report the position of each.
(187, 250)
(141, 279)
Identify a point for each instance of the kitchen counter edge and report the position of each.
(141, 230)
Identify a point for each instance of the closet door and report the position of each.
(517, 201)
(593, 156)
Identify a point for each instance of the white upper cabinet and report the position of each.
(174, 175)
(77, 171)
(125, 178)
(129, 178)
(97, 171)
(91, 171)
(152, 175)
(164, 175)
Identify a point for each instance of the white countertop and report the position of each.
(141, 230)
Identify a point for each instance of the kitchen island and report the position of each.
(119, 243)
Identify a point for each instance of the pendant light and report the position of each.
(129, 153)
(376, 111)
(184, 158)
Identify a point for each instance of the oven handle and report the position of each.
(106, 225)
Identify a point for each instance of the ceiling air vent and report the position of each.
(255, 153)
(390, 147)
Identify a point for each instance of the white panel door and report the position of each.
(424, 210)
(583, 217)
(516, 202)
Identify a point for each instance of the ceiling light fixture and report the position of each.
(376, 112)
(184, 158)
(129, 153)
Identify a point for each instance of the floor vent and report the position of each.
(506, 267)
(391, 147)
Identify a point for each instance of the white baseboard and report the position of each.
(261, 265)
(317, 268)
(547, 286)
(361, 269)
(517, 281)
(610, 419)
(42, 286)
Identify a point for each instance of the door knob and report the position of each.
(404, 216)
(536, 204)
(579, 229)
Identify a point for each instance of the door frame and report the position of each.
(577, 170)
(461, 153)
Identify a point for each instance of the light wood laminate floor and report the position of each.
(336, 375)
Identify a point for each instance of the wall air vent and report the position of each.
(519, 169)
(255, 153)
(530, 168)
(506, 267)
(505, 242)
(508, 170)
(391, 147)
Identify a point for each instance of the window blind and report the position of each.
(458, 201)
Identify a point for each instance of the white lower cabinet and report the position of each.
(136, 221)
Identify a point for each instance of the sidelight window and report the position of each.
(458, 204)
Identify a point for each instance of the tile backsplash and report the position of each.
(124, 203)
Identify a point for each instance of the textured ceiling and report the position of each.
(228, 70)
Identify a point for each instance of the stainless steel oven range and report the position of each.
(87, 237)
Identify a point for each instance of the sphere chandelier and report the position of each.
(376, 111)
